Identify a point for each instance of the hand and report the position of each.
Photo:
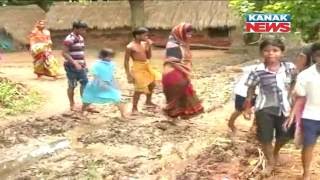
(130, 79)
(77, 66)
(289, 121)
(247, 114)
(149, 42)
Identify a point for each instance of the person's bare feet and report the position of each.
(268, 170)
(92, 110)
(72, 107)
(126, 117)
(151, 105)
(281, 160)
(135, 112)
(306, 176)
(232, 127)
(38, 77)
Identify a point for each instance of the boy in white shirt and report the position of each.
(240, 92)
(307, 89)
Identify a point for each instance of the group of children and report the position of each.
(287, 100)
(181, 98)
(283, 99)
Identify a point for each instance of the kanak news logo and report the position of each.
(268, 23)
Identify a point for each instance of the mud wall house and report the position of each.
(213, 20)
(16, 22)
(110, 22)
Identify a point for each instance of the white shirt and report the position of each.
(240, 87)
(308, 85)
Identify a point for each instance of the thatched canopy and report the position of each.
(101, 15)
(201, 14)
(159, 14)
(18, 21)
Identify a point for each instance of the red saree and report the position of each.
(180, 96)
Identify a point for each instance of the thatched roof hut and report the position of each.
(18, 21)
(158, 14)
(100, 15)
(201, 14)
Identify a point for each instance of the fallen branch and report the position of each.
(261, 162)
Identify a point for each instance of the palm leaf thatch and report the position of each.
(159, 14)
(100, 15)
(18, 21)
(201, 14)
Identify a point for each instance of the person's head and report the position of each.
(182, 32)
(106, 53)
(140, 33)
(41, 24)
(79, 27)
(315, 51)
(272, 49)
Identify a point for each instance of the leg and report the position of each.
(265, 130)
(254, 125)
(84, 107)
(136, 97)
(149, 96)
(83, 78)
(39, 76)
(267, 149)
(276, 152)
(238, 104)
(121, 108)
(72, 84)
(311, 129)
(232, 119)
(282, 137)
(71, 98)
(306, 161)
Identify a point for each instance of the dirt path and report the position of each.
(103, 147)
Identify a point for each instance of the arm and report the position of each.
(148, 49)
(252, 82)
(66, 55)
(126, 64)
(182, 68)
(236, 69)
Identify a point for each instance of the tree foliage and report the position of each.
(305, 13)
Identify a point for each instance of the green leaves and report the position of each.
(14, 98)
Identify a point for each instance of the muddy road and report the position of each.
(101, 146)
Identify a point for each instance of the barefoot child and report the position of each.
(141, 75)
(275, 79)
(308, 99)
(240, 91)
(102, 89)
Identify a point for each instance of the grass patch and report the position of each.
(16, 98)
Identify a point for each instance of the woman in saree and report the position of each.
(182, 100)
(44, 62)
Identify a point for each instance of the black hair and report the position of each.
(106, 52)
(315, 47)
(79, 24)
(139, 31)
(273, 42)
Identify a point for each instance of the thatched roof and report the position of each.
(101, 15)
(159, 14)
(201, 14)
(18, 21)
